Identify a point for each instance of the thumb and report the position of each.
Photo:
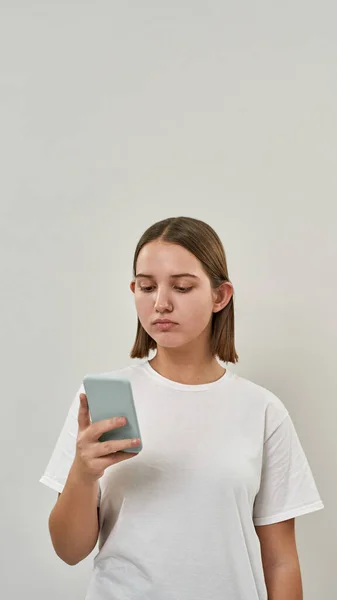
(83, 413)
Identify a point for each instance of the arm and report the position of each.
(74, 522)
(284, 582)
(280, 560)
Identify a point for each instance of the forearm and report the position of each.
(284, 582)
(73, 522)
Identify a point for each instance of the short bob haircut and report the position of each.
(201, 240)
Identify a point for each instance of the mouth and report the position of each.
(164, 326)
(162, 321)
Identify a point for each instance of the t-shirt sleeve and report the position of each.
(61, 459)
(287, 487)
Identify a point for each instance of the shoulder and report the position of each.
(263, 399)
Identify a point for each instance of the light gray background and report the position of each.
(115, 115)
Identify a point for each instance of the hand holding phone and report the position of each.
(92, 456)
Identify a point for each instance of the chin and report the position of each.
(167, 342)
(167, 339)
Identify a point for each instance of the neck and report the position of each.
(184, 370)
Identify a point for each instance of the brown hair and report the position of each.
(199, 238)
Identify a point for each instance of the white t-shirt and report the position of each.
(177, 520)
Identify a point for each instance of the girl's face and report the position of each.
(188, 300)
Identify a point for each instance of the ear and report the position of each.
(222, 295)
(132, 286)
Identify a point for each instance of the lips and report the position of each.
(165, 326)
(162, 321)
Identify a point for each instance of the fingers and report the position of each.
(114, 446)
(100, 427)
(83, 413)
(93, 431)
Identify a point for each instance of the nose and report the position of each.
(162, 303)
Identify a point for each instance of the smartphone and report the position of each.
(111, 396)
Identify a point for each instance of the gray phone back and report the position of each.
(110, 396)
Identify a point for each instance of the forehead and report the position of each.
(159, 258)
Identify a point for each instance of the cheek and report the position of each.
(197, 312)
(144, 304)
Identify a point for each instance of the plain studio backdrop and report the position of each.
(116, 115)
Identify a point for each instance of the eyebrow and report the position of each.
(172, 276)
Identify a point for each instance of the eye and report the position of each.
(181, 289)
